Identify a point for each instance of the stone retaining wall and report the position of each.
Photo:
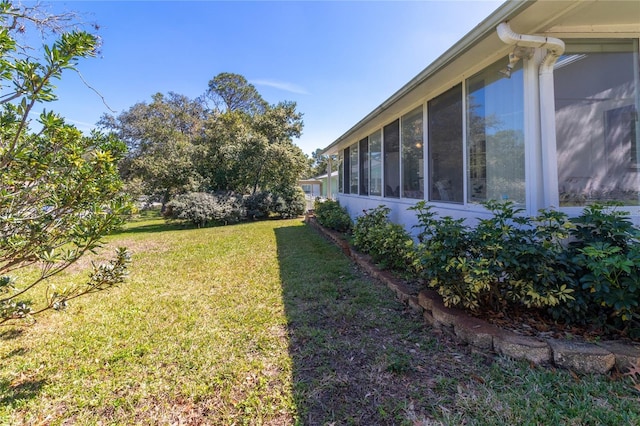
(584, 357)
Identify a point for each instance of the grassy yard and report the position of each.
(267, 323)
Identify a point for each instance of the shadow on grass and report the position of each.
(359, 356)
(11, 333)
(12, 393)
(15, 352)
(150, 228)
(139, 225)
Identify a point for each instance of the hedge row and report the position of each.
(204, 208)
(583, 270)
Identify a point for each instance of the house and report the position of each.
(320, 187)
(312, 187)
(329, 184)
(538, 104)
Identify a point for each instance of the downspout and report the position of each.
(555, 48)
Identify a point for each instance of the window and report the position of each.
(495, 135)
(364, 166)
(597, 137)
(412, 155)
(347, 171)
(354, 168)
(340, 172)
(445, 147)
(375, 163)
(392, 160)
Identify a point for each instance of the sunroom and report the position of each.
(537, 105)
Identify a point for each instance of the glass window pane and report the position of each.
(597, 136)
(375, 159)
(445, 147)
(495, 135)
(354, 168)
(392, 160)
(412, 157)
(364, 166)
(347, 171)
(340, 171)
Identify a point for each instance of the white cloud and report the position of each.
(80, 124)
(281, 85)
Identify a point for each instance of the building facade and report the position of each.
(538, 105)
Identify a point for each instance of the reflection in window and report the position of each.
(495, 135)
(597, 136)
(375, 160)
(364, 167)
(412, 157)
(354, 168)
(445, 147)
(392, 160)
(340, 171)
(347, 171)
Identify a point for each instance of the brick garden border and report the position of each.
(583, 357)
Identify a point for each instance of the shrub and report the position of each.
(506, 259)
(512, 260)
(367, 226)
(389, 244)
(442, 243)
(331, 215)
(518, 260)
(202, 208)
(606, 254)
(258, 205)
(289, 202)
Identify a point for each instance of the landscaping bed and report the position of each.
(266, 323)
(523, 335)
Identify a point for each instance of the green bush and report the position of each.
(606, 255)
(389, 244)
(202, 208)
(518, 260)
(258, 205)
(368, 226)
(505, 259)
(289, 202)
(331, 215)
(442, 243)
(509, 260)
(582, 270)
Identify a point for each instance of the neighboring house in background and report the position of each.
(538, 104)
(320, 186)
(312, 187)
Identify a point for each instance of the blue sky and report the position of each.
(337, 60)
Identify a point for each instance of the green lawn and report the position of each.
(267, 323)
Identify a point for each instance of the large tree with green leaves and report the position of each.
(248, 145)
(319, 164)
(232, 92)
(244, 153)
(280, 162)
(242, 144)
(60, 191)
(161, 138)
